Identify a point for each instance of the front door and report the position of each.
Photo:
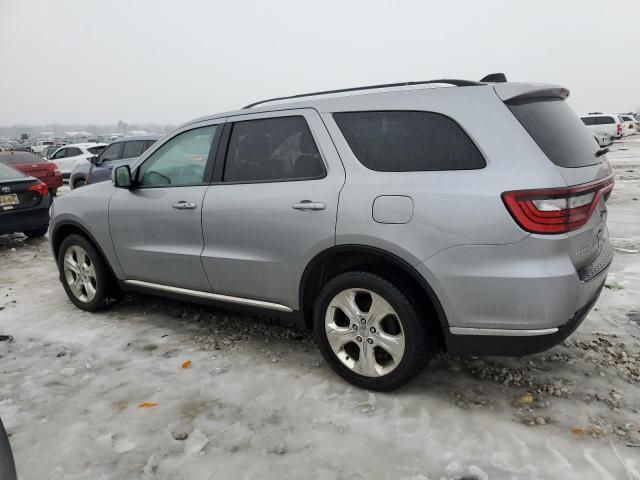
(273, 207)
(156, 225)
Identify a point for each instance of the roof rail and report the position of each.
(457, 83)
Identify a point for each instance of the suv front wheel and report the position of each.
(84, 274)
(370, 333)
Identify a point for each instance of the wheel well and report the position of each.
(63, 231)
(329, 264)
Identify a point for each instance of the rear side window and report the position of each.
(598, 120)
(557, 130)
(133, 149)
(407, 141)
(72, 152)
(272, 149)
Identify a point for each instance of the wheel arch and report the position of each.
(70, 227)
(339, 259)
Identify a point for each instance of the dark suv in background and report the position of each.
(120, 152)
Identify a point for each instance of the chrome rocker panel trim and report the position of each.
(209, 296)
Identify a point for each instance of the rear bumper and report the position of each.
(513, 299)
(518, 345)
(29, 219)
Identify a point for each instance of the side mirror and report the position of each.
(93, 160)
(121, 176)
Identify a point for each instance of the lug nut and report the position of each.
(372, 330)
(355, 326)
(363, 321)
(359, 338)
(369, 341)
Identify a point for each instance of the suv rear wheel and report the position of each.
(84, 274)
(370, 333)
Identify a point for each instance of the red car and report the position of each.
(33, 165)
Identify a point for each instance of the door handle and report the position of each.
(184, 205)
(308, 205)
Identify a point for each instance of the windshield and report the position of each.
(557, 130)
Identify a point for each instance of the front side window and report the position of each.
(272, 149)
(60, 154)
(112, 152)
(133, 149)
(179, 162)
(408, 141)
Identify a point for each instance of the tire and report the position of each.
(96, 286)
(37, 232)
(79, 183)
(54, 191)
(395, 347)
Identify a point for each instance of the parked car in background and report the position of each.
(22, 147)
(24, 203)
(40, 145)
(31, 164)
(365, 217)
(607, 124)
(7, 464)
(629, 125)
(603, 139)
(70, 156)
(120, 152)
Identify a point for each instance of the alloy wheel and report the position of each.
(364, 332)
(80, 274)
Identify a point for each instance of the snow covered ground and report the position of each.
(258, 402)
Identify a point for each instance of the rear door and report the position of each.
(156, 226)
(272, 206)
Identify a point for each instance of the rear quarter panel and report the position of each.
(451, 208)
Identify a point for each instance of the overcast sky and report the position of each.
(167, 61)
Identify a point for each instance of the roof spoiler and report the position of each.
(516, 92)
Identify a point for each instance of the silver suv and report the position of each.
(394, 220)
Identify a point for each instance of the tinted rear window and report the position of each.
(557, 130)
(7, 173)
(598, 120)
(19, 158)
(406, 141)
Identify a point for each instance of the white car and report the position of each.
(40, 145)
(629, 125)
(604, 123)
(70, 156)
(603, 139)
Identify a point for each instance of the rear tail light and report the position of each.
(556, 210)
(619, 128)
(41, 188)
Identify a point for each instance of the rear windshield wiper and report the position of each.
(602, 151)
